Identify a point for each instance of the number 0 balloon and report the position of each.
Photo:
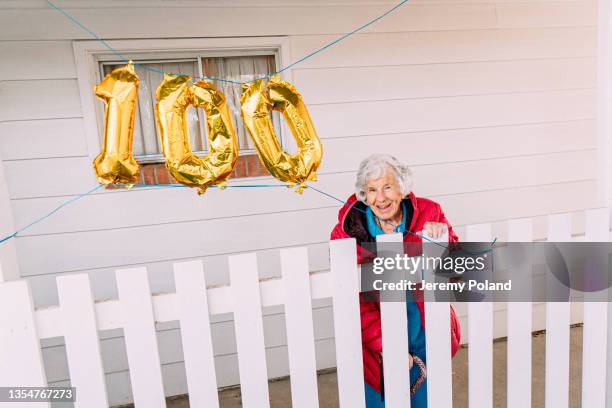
(174, 96)
(256, 103)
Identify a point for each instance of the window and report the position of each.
(237, 59)
(147, 149)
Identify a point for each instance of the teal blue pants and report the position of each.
(416, 340)
(418, 400)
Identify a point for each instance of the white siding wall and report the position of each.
(492, 102)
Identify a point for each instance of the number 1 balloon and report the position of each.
(115, 164)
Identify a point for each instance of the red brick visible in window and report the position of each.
(162, 174)
(246, 166)
(254, 166)
(240, 168)
(148, 172)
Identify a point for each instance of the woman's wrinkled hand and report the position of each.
(435, 229)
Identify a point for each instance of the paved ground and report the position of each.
(280, 393)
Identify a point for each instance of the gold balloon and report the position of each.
(174, 96)
(119, 91)
(256, 104)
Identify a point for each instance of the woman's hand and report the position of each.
(435, 229)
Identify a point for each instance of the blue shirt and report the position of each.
(375, 230)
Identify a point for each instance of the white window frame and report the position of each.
(89, 55)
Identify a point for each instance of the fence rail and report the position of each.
(79, 319)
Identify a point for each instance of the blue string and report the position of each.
(336, 41)
(56, 209)
(8, 237)
(267, 76)
(117, 53)
(84, 28)
(213, 186)
(78, 197)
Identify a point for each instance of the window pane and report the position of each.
(241, 69)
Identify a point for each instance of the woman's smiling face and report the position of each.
(384, 196)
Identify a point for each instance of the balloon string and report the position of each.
(96, 188)
(341, 38)
(307, 56)
(56, 209)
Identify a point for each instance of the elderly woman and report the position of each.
(383, 203)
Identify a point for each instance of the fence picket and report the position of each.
(480, 337)
(595, 330)
(438, 339)
(347, 323)
(140, 338)
(248, 323)
(300, 329)
(192, 304)
(394, 326)
(556, 394)
(597, 223)
(82, 343)
(519, 325)
(21, 363)
(559, 228)
(595, 319)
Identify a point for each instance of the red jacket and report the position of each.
(351, 224)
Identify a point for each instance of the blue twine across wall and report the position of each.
(50, 213)
(267, 76)
(98, 187)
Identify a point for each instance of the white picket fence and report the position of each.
(79, 319)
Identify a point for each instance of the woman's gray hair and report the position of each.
(374, 166)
